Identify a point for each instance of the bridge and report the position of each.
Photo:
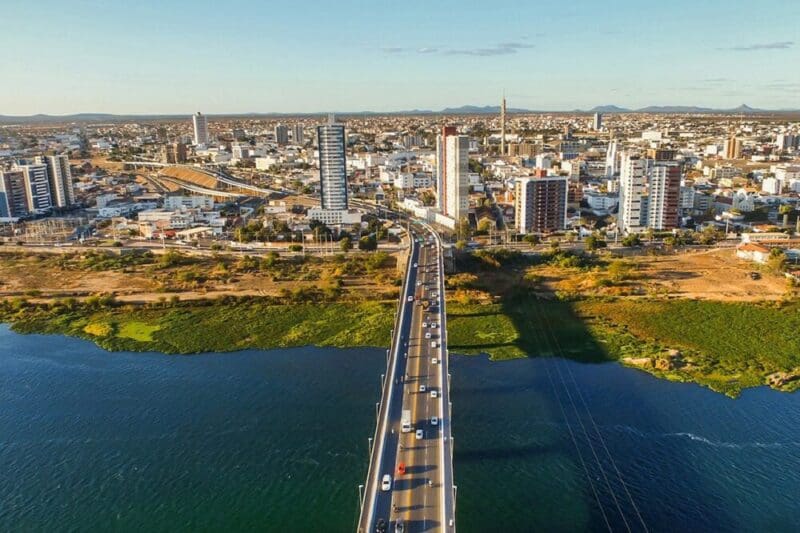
(413, 438)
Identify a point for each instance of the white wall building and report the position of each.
(200, 124)
(332, 165)
(632, 185)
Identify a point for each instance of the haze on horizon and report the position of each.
(351, 55)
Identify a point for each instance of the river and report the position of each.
(277, 441)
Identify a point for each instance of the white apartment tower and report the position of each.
(598, 122)
(452, 173)
(612, 161)
(200, 123)
(37, 187)
(632, 187)
(60, 176)
(332, 165)
(282, 134)
(297, 134)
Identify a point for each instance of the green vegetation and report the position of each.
(222, 325)
(497, 306)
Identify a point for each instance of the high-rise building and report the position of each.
(332, 165)
(200, 123)
(541, 204)
(441, 190)
(664, 188)
(60, 176)
(503, 127)
(175, 153)
(632, 216)
(37, 186)
(598, 122)
(452, 173)
(13, 194)
(297, 134)
(612, 160)
(282, 134)
(733, 148)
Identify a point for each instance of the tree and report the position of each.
(594, 242)
(484, 225)
(346, 244)
(632, 240)
(368, 243)
(532, 239)
(463, 229)
(428, 198)
(777, 260)
(461, 245)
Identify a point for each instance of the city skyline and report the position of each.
(423, 57)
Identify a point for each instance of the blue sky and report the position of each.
(180, 56)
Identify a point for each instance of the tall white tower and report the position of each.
(632, 216)
(332, 165)
(503, 127)
(200, 123)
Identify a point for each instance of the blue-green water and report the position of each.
(276, 441)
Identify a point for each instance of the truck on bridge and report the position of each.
(405, 420)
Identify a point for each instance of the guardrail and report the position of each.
(386, 398)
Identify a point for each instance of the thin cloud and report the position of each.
(501, 49)
(782, 86)
(777, 45)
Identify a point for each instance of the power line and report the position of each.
(597, 430)
(577, 448)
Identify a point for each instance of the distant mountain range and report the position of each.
(463, 110)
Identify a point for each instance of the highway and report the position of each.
(420, 496)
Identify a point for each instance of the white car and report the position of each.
(428, 335)
(434, 421)
(434, 394)
(410, 298)
(386, 483)
(419, 284)
(424, 324)
(419, 434)
(435, 361)
(415, 265)
(422, 388)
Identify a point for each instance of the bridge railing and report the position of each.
(386, 398)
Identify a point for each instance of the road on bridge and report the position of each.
(420, 495)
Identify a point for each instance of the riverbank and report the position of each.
(221, 325)
(506, 305)
(599, 308)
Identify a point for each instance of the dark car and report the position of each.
(380, 526)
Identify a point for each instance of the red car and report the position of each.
(401, 469)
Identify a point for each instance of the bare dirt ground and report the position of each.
(711, 275)
(40, 279)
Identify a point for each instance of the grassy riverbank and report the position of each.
(209, 326)
(587, 308)
(725, 346)
(503, 305)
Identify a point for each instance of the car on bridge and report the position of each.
(422, 388)
(434, 394)
(386, 483)
(380, 526)
(410, 298)
(419, 434)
